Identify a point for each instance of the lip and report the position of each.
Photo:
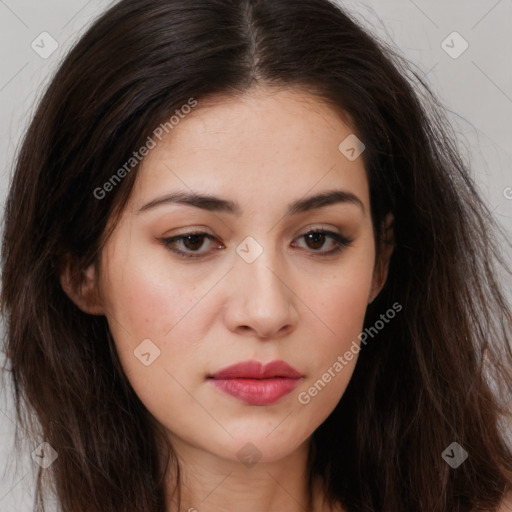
(255, 383)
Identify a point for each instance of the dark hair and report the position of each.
(425, 382)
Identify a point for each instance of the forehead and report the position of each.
(254, 145)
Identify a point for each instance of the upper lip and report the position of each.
(256, 370)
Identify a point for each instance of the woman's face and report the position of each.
(255, 286)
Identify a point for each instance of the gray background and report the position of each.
(476, 88)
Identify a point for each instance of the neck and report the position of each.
(214, 484)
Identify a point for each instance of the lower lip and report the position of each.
(257, 391)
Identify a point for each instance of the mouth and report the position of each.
(255, 384)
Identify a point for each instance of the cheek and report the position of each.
(145, 293)
(156, 331)
(147, 305)
(338, 308)
(156, 309)
(339, 299)
(346, 311)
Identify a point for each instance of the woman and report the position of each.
(246, 269)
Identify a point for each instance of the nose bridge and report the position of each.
(262, 300)
(259, 272)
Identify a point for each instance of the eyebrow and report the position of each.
(217, 204)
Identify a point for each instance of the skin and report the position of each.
(264, 150)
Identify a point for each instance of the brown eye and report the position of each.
(315, 240)
(193, 242)
(189, 245)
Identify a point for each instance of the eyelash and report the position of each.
(341, 241)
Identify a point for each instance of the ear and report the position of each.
(81, 286)
(385, 249)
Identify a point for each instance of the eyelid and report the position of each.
(167, 241)
(197, 230)
(342, 241)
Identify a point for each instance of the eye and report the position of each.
(190, 244)
(316, 239)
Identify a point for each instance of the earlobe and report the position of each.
(387, 244)
(81, 287)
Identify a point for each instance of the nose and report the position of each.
(261, 301)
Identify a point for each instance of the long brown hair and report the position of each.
(423, 383)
